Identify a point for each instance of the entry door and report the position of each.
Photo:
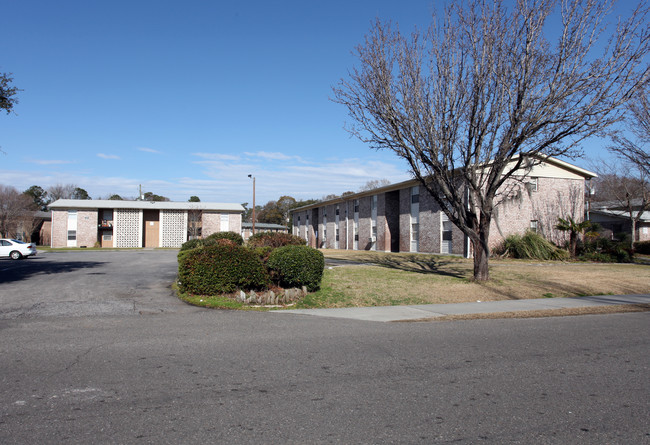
(151, 221)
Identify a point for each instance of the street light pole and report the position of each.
(253, 229)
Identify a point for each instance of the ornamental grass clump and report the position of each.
(221, 269)
(297, 266)
(531, 246)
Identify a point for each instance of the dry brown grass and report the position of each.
(398, 279)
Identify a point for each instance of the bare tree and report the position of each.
(634, 149)
(630, 193)
(17, 212)
(61, 191)
(194, 223)
(374, 184)
(484, 94)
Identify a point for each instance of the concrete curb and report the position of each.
(415, 312)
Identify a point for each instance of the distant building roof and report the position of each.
(621, 214)
(154, 205)
(604, 205)
(247, 225)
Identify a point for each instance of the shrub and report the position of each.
(275, 239)
(296, 266)
(263, 253)
(642, 247)
(191, 244)
(606, 250)
(232, 236)
(531, 246)
(221, 268)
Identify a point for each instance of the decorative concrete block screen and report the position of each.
(127, 228)
(174, 227)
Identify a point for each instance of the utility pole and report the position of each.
(253, 218)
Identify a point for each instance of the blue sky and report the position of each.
(188, 98)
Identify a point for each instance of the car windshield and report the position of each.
(18, 241)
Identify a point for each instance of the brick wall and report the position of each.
(234, 222)
(553, 198)
(59, 228)
(87, 228)
(430, 225)
(210, 223)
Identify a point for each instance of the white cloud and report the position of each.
(49, 161)
(272, 156)
(105, 156)
(216, 156)
(149, 150)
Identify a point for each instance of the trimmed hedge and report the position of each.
(192, 244)
(232, 236)
(221, 268)
(296, 266)
(213, 239)
(275, 239)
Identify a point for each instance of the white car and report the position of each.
(15, 249)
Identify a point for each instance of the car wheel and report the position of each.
(15, 255)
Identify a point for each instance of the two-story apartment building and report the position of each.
(404, 217)
(109, 223)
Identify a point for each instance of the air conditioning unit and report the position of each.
(373, 239)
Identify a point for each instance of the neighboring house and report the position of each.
(403, 217)
(30, 226)
(614, 218)
(109, 223)
(247, 229)
(42, 229)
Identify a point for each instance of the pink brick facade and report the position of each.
(87, 228)
(59, 228)
(405, 223)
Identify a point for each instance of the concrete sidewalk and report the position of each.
(401, 313)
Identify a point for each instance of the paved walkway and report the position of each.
(400, 313)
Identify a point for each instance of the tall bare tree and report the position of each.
(634, 149)
(628, 192)
(374, 184)
(484, 94)
(17, 212)
(61, 191)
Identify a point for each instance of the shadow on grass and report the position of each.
(11, 270)
(423, 265)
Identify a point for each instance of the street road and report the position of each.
(168, 373)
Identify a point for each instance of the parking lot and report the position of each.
(79, 283)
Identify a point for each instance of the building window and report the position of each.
(356, 206)
(107, 237)
(415, 195)
(337, 210)
(532, 184)
(72, 235)
(415, 228)
(533, 225)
